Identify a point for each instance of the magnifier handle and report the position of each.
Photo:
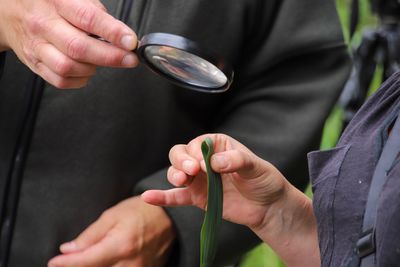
(99, 38)
(104, 40)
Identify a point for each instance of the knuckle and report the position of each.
(32, 51)
(127, 249)
(38, 68)
(29, 55)
(86, 16)
(38, 65)
(113, 34)
(106, 215)
(76, 49)
(249, 162)
(113, 59)
(63, 67)
(242, 158)
(35, 24)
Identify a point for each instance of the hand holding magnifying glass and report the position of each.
(184, 63)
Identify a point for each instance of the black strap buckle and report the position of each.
(366, 243)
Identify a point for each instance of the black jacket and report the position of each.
(88, 149)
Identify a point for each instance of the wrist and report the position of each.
(290, 228)
(3, 48)
(166, 237)
(3, 44)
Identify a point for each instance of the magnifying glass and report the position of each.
(185, 63)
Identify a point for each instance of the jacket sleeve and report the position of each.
(290, 75)
(2, 60)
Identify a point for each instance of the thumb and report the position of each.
(90, 236)
(244, 163)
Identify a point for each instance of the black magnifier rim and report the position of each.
(182, 43)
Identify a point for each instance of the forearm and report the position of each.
(290, 229)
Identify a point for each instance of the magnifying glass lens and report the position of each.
(185, 67)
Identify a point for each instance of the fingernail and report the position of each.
(188, 166)
(175, 176)
(69, 246)
(129, 61)
(220, 161)
(128, 42)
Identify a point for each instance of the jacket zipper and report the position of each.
(10, 202)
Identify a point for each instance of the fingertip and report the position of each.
(179, 178)
(219, 162)
(190, 167)
(129, 41)
(146, 196)
(69, 247)
(174, 179)
(231, 161)
(152, 197)
(54, 262)
(130, 61)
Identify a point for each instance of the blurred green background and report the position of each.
(262, 255)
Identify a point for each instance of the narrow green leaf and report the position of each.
(213, 214)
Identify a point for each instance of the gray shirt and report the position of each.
(341, 178)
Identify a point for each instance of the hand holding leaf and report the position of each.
(250, 184)
(255, 194)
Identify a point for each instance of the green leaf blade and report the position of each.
(213, 214)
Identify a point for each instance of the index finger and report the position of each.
(171, 198)
(93, 19)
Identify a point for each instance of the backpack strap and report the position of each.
(366, 244)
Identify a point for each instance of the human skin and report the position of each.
(52, 38)
(132, 233)
(255, 194)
